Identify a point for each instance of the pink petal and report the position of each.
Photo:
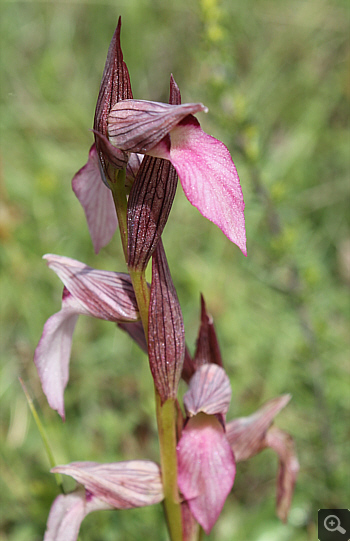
(206, 468)
(52, 354)
(208, 176)
(96, 200)
(102, 294)
(247, 434)
(209, 391)
(67, 513)
(123, 485)
(288, 468)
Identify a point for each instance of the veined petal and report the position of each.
(247, 434)
(208, 176)
(122, 485)
(209, 391)
(138, 125)
(52, 354)
(96, 200)
(115, 86)
(149, 205)
(103, 294)
(166, 334)
(67, 513)
(206, 468)
(288, 468)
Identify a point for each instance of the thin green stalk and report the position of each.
(166, 419)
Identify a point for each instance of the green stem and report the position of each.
(166, 419)
(166, 414)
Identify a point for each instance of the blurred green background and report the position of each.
(274, 76)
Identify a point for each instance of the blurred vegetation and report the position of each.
(274, 76)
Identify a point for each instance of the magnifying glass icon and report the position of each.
(332, 524)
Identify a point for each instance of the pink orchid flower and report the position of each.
(206, 463)
(124, 126)
(205, 168)
(210, 448)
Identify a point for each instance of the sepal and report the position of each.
(166, 334)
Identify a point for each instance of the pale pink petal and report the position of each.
(123, 485)
(288, 468)
(208, 176)
(96, 200)
(209, 391)
(206, 468)
(250, 435)
(102, 294)
(67, 513)
(247, 434)
(52, 354)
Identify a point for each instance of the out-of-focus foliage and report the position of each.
(273, 75)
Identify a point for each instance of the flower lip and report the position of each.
(138, 125)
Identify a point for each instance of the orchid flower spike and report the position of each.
(101, 294)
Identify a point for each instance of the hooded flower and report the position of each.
(119, 485)
(101, 294)
(202, 448)
(204, 165)
(206, 464)
(123, 126)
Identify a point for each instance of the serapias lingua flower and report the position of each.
(206, 463)
(101, 294)
(206, 171)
